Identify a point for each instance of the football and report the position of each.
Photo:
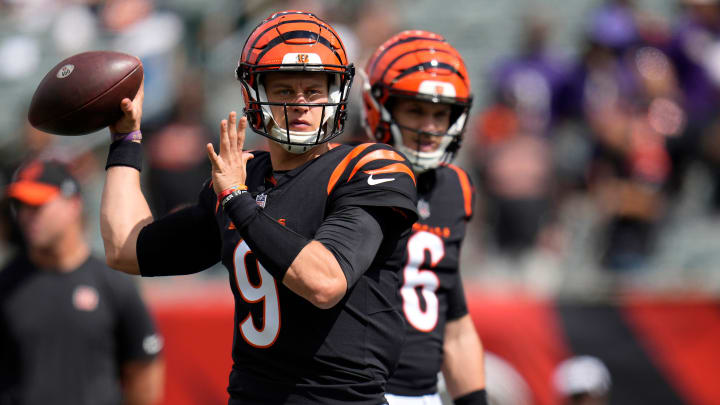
(82, 93)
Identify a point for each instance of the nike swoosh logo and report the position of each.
(372, 181)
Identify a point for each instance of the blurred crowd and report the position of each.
(595, 167)
(603, 168)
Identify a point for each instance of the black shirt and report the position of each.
(286, 350)
(64, 336)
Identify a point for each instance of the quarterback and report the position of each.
(312, 235)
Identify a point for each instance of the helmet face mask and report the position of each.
(420, 66)
(294, 42)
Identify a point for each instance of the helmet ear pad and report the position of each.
(383, 133)
(252, 111)
(381, 117)
(385, 126)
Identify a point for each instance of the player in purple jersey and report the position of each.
(417, 98)
(312, 235)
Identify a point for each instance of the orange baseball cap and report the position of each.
(37, 182)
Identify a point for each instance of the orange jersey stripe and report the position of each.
(343, 165)
(375, 155)
(393, 168)
(466, 188)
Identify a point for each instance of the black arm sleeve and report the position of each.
(353, 236)
(275, 245)
(351, 233)
(184, 242)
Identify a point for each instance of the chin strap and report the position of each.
(279, 133)
(421, 161)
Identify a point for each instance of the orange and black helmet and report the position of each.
(294, 41)
(420, 65)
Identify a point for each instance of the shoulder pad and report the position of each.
(367, 160)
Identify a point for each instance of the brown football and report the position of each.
(82, 93)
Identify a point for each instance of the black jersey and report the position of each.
(432, 291)
(286, 350)
(65, 336)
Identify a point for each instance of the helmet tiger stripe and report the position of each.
(294, 41)
(419, 65)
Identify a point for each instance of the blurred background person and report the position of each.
(512, 140)
(531, 80)
(176, 161)
(71, 330)
(694, 50)
(155, 36)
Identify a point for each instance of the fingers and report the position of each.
(132, 114)
(212, 155)
(232, 139)
(229, 165)
(224, 139)
(233, 131)
(247, 156)
(131, 108)
(242, 126)
(127, 106)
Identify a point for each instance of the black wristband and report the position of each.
(275, 245)
(125, 153)
(230, 196)
(478, 397)
(242, 210)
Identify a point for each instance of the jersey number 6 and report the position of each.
(425, 280)
(265, 291)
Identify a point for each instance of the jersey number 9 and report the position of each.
(265, 291)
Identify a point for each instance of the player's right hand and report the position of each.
(132, 113)
(228, 168)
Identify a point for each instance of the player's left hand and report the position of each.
(228, 168)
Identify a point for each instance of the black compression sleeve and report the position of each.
(478, 397)
(353, 236)
(275, 245)
(184, 242)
